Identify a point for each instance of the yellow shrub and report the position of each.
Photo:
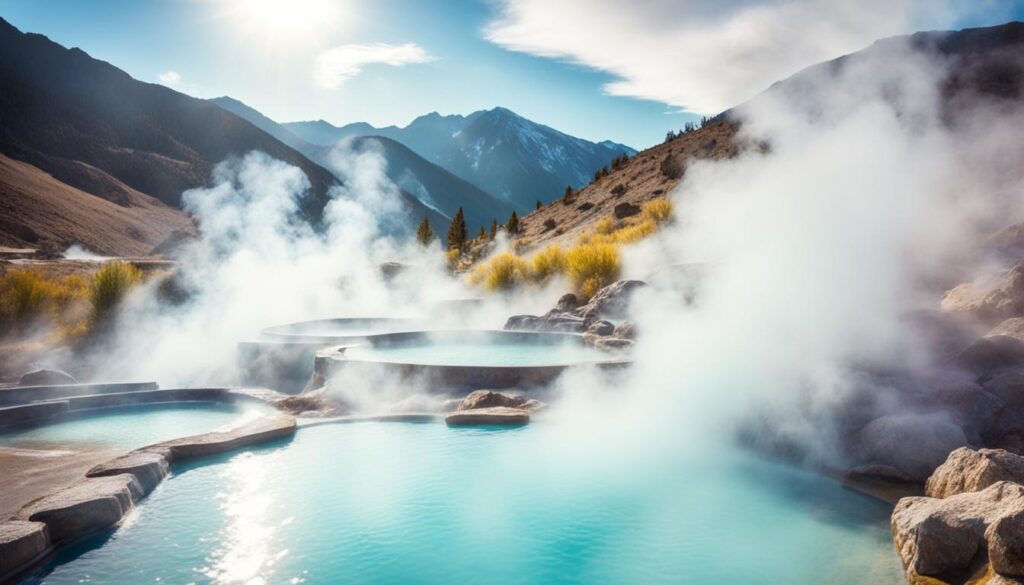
(548, 262)
(29, 298)
(501, 272)
(592, 266)
(658, 211)
(110, 284)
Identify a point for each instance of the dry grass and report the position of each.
(592, 266)
(502, 272)
(110, 285)
(547, 263)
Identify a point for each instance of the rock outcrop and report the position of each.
(942, 538)
(966, 470)
(479, 399)
(498, 415)
(914, 444)
(22, 542)
(592, 319)
(89, 506)
(991, 299)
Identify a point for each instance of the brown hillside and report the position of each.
(651, 174)
(38, 211)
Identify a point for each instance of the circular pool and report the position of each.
(405, 503)
(452, 360)
(340, 330)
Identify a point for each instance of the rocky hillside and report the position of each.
(502, 153)
(651, 174)
(38, 211)
(93, 128)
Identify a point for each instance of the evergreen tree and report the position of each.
(483, 234)
(457, 231)
(539, 204)
(567, 195)
(494, 228)
(512, 227)
(425, 233)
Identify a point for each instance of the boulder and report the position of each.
(601, 327)
(993, 298)
(567, 303)
(489, 399)
(939, 538)
(912, 443)
(86, 507)
(967, 470)
(972, 409)
(21, 543)
(625, 330)
(1005, 538)
(523, 323)
(562, 322)
(1012, 327)
(612, 301)
(308, 404)
(46, 378)
(625, 209)
(498, 415)
(1008, 387)
(609, 344)
(989, 355)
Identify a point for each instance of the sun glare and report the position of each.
(291, 21)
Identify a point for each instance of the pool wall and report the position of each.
(110, 490)
(450, 378)
(283, 357)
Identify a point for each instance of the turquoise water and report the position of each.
(470, 353)
(129, 427)
(425, 504)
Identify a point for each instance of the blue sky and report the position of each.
(545, 62)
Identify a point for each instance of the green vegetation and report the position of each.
(457, 232)
(512, 226)
(424, 233)
(110, 285)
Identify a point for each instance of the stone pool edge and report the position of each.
(110, 490)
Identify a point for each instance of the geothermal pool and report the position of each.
(496, 353)
(131, 426)
(342, 328)
(405, 503)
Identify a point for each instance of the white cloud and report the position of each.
(170, 78)
(335, 66)
(707, 55)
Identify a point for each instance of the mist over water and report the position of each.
(855, 200)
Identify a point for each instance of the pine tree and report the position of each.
(512, 227)
(425, 233)
(483, 234)
(539, 204)
(457, 231)
(494, 228)
(567, 194)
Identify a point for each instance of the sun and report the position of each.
(283, 21)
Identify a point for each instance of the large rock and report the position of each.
(1013, 327)
(912, 443)
(498, 415)
(609, 344)
(84, 508)
(989, 355)
(21, 543)
(625, 209)
(972, 409)
(1005, 538)
(479, 399)
(553, 320)
(601, 327)
(625, 330)
(612, 301)
(940, 538)
(46, 378)
(966, 470)
(1008, 387)
(993, 298)
(523, 323)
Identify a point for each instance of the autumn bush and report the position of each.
(502, 272)
(592, 266)
(110, 285)
(547, 263)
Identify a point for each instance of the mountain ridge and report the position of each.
(497, 150)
